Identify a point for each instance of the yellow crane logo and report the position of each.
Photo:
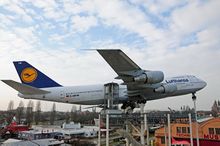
(28, 75)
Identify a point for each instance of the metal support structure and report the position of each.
(169, 130)
(146, 128)
(190, 128)
(111, 95)
(108, 103)
(142, 123)
(127, 142)
(99, 136)
(197, 129)
(126, 128)
(107, 128)
(165, 134)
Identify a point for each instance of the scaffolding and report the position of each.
(111, 95)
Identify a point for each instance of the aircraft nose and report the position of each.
(203, 84)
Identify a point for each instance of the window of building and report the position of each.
(178, 130)
(162, 139)
(211, 131)
(183, 129)
(188, 130)
(217, 131)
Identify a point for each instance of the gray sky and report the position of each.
(177, 37)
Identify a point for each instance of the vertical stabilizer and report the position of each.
(31, 76)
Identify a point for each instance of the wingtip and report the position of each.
(108, 49)
(18, 62)
(5, 81)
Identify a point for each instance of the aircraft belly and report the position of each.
(88, 101)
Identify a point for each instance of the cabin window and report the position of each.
(211, 131)
(178, 129)
(217, 131)
(162, 140)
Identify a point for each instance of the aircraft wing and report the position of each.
(126, 69)
(121, 64)
(24, 89)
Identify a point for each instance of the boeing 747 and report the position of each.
(138, 85)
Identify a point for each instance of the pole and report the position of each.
(197, 130)
(142, 123)
(126, 128)
(107, 128)
(146, 127)
(190, 127)
(99, 136)
(169, 130)
(165, 134)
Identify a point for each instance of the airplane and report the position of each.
(138, 85)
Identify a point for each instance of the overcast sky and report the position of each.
(176, 37)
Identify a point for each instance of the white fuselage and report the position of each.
(94, 94)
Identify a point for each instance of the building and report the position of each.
(38, 142)
(38, 134)
(209, 133)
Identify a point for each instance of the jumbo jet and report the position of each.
(138, 85)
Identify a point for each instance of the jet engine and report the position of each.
(150, 77)
(166, 88)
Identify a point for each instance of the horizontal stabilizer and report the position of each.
(24, 89)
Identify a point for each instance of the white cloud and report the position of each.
(27, 34)
(18, 10)
(159, 6)
(82, 23)
(195, 16)
(163, 51)
(125, 16)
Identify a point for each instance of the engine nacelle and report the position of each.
(150, 77)
(167, 88)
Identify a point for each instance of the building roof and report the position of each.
(41, 142)
(204, 119)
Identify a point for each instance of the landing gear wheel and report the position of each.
(128, 105)
(124, 105)
(193, 96)
(141, 101)
(132, 105)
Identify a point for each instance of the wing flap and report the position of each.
(24, 89)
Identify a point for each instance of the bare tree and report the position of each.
(37, 115)
(67, 117)
(73, 113)
(10, 105)
(10, 111)
(215, 109)
(20, 111)
(29, 112)
(53, 114)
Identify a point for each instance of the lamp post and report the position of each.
(190, 127)
(99, 136)
(197, 130)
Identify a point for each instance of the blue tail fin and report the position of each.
(31, 76)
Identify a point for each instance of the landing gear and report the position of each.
(128, 104)
(143, 101)
(132, 104)
(193, 96)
